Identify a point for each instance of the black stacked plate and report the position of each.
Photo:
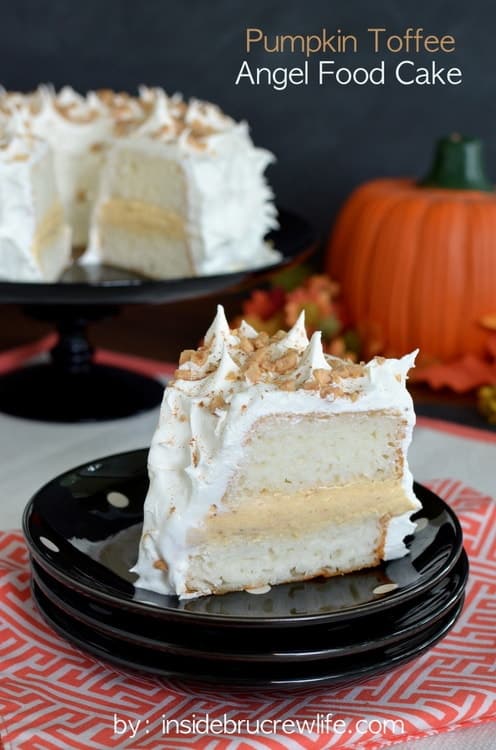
(82, 530)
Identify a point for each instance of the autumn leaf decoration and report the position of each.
(278, 307)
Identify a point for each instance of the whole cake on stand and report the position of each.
(173, 198)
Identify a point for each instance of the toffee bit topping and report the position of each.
(253, 373)
(218, 402)
(288, 385)
(282, 361)
(258, 356)
(74, 113)
(195, 452)
(188, 375)
(322, 377)
(287, 362)
(346, 369)
(333, 390)
(195, 457)
(261, 340)
(160, 565)
(311, 385)
(246, 345)
(196, 143)
(180, 109)
(151, 113)
(169, 130)
(197, 357)
(201, 129)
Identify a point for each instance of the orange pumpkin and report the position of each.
(417, 261)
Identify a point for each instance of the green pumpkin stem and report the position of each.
(458, 165)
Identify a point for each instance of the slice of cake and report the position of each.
(273, 462)
(35, 242)
(183, 195)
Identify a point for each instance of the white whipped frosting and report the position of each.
(196, 450)
(77, 128)
(27, 194)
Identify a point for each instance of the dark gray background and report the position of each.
(327, 139)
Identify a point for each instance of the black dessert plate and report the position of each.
(83, 529)
(273, 645)
(334, 672)
(102, 285)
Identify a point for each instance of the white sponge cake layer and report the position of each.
(252, 561)
(341, 449)
(141, 248)
(133, 173)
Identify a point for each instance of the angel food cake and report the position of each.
(274, 462)
(152, 183)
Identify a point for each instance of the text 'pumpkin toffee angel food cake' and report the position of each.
(274, 462)
(154, 184)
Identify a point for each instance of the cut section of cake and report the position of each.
(35, 242)
(274, 462)
(183, 195)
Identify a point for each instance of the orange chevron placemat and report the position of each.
(54, 696)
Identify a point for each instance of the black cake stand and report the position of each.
(71, 387)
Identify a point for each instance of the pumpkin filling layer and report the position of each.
(305, 511)
(143, 217)
(47, 229)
